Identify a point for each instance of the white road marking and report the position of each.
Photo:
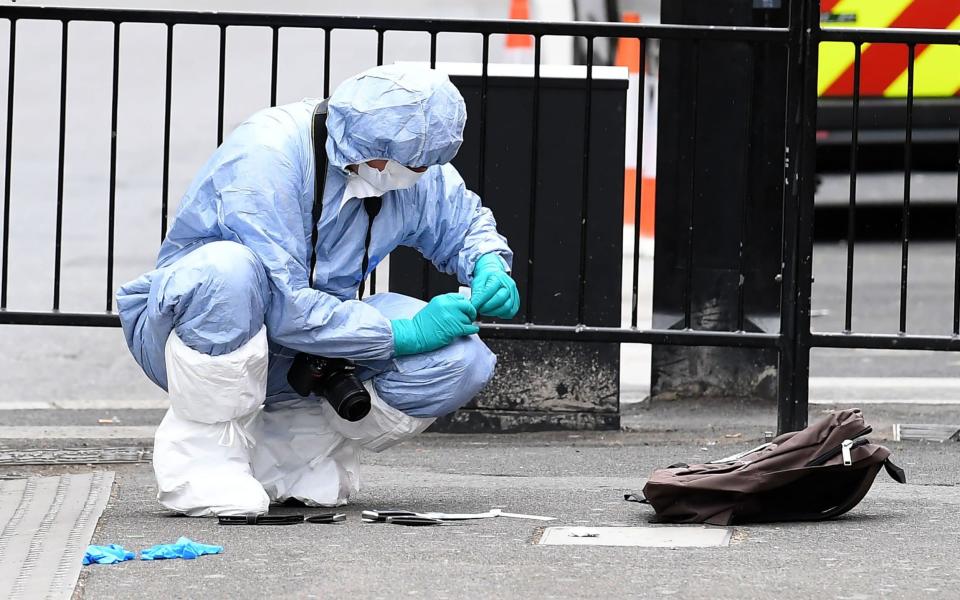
(848, 390)
(86, 405)
(868, 401)
(885, 383)
(934, 391)
(30, 432)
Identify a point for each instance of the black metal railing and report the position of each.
(801, 40)
(900, 339)
(327, 24)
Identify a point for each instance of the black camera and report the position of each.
(333, 378)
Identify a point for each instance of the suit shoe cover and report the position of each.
(202, 448)
(200, 477)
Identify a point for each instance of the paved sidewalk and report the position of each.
(898, 543)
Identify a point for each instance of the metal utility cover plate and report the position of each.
(72, 456)
(649, 537)
(925, 433)
(45, 526)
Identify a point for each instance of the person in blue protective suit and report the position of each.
(232, 300)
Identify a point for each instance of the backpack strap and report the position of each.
(895, 472)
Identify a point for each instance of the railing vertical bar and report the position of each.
(585, 192)
(956, 268)
(907, 171)
(638, 196)
(852, 210)
(534, 173)
(221, 78)
(483, 114)
(425, 289)
(274, 59)
(112, 208)
(379, 47)
(688, 283)
(165, 185)
(8, 163)
(60, 160)
(327, 32)
(745, 206)
(326, 62)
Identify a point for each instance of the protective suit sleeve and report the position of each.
(455, 229)
(259, 196)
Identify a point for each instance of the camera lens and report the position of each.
(348, 397)
(333, 379)
(355, 407)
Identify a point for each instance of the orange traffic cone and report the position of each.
(519, 47)
(628, 55)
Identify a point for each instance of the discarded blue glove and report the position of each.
(106, 555)
(182, 548)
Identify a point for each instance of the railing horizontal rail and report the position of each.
(893, 36)
(885, 341)
(489, 331)
(13, 317)
(492, 26)
(623, 335)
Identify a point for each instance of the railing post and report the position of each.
(800, 171)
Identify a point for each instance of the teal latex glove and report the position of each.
(442, 320)
(493, 291)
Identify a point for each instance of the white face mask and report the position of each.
(394, 176)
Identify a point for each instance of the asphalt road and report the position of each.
(876, 306)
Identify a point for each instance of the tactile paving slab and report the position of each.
(45, 526)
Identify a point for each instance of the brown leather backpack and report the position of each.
(810, 475)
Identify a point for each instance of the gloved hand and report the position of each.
(442, 320)
(493, 292)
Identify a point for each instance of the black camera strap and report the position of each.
(319, 133)
(371, 205)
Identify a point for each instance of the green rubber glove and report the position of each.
(493, 291)
(442, 320)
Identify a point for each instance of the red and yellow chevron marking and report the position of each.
(884, 66)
